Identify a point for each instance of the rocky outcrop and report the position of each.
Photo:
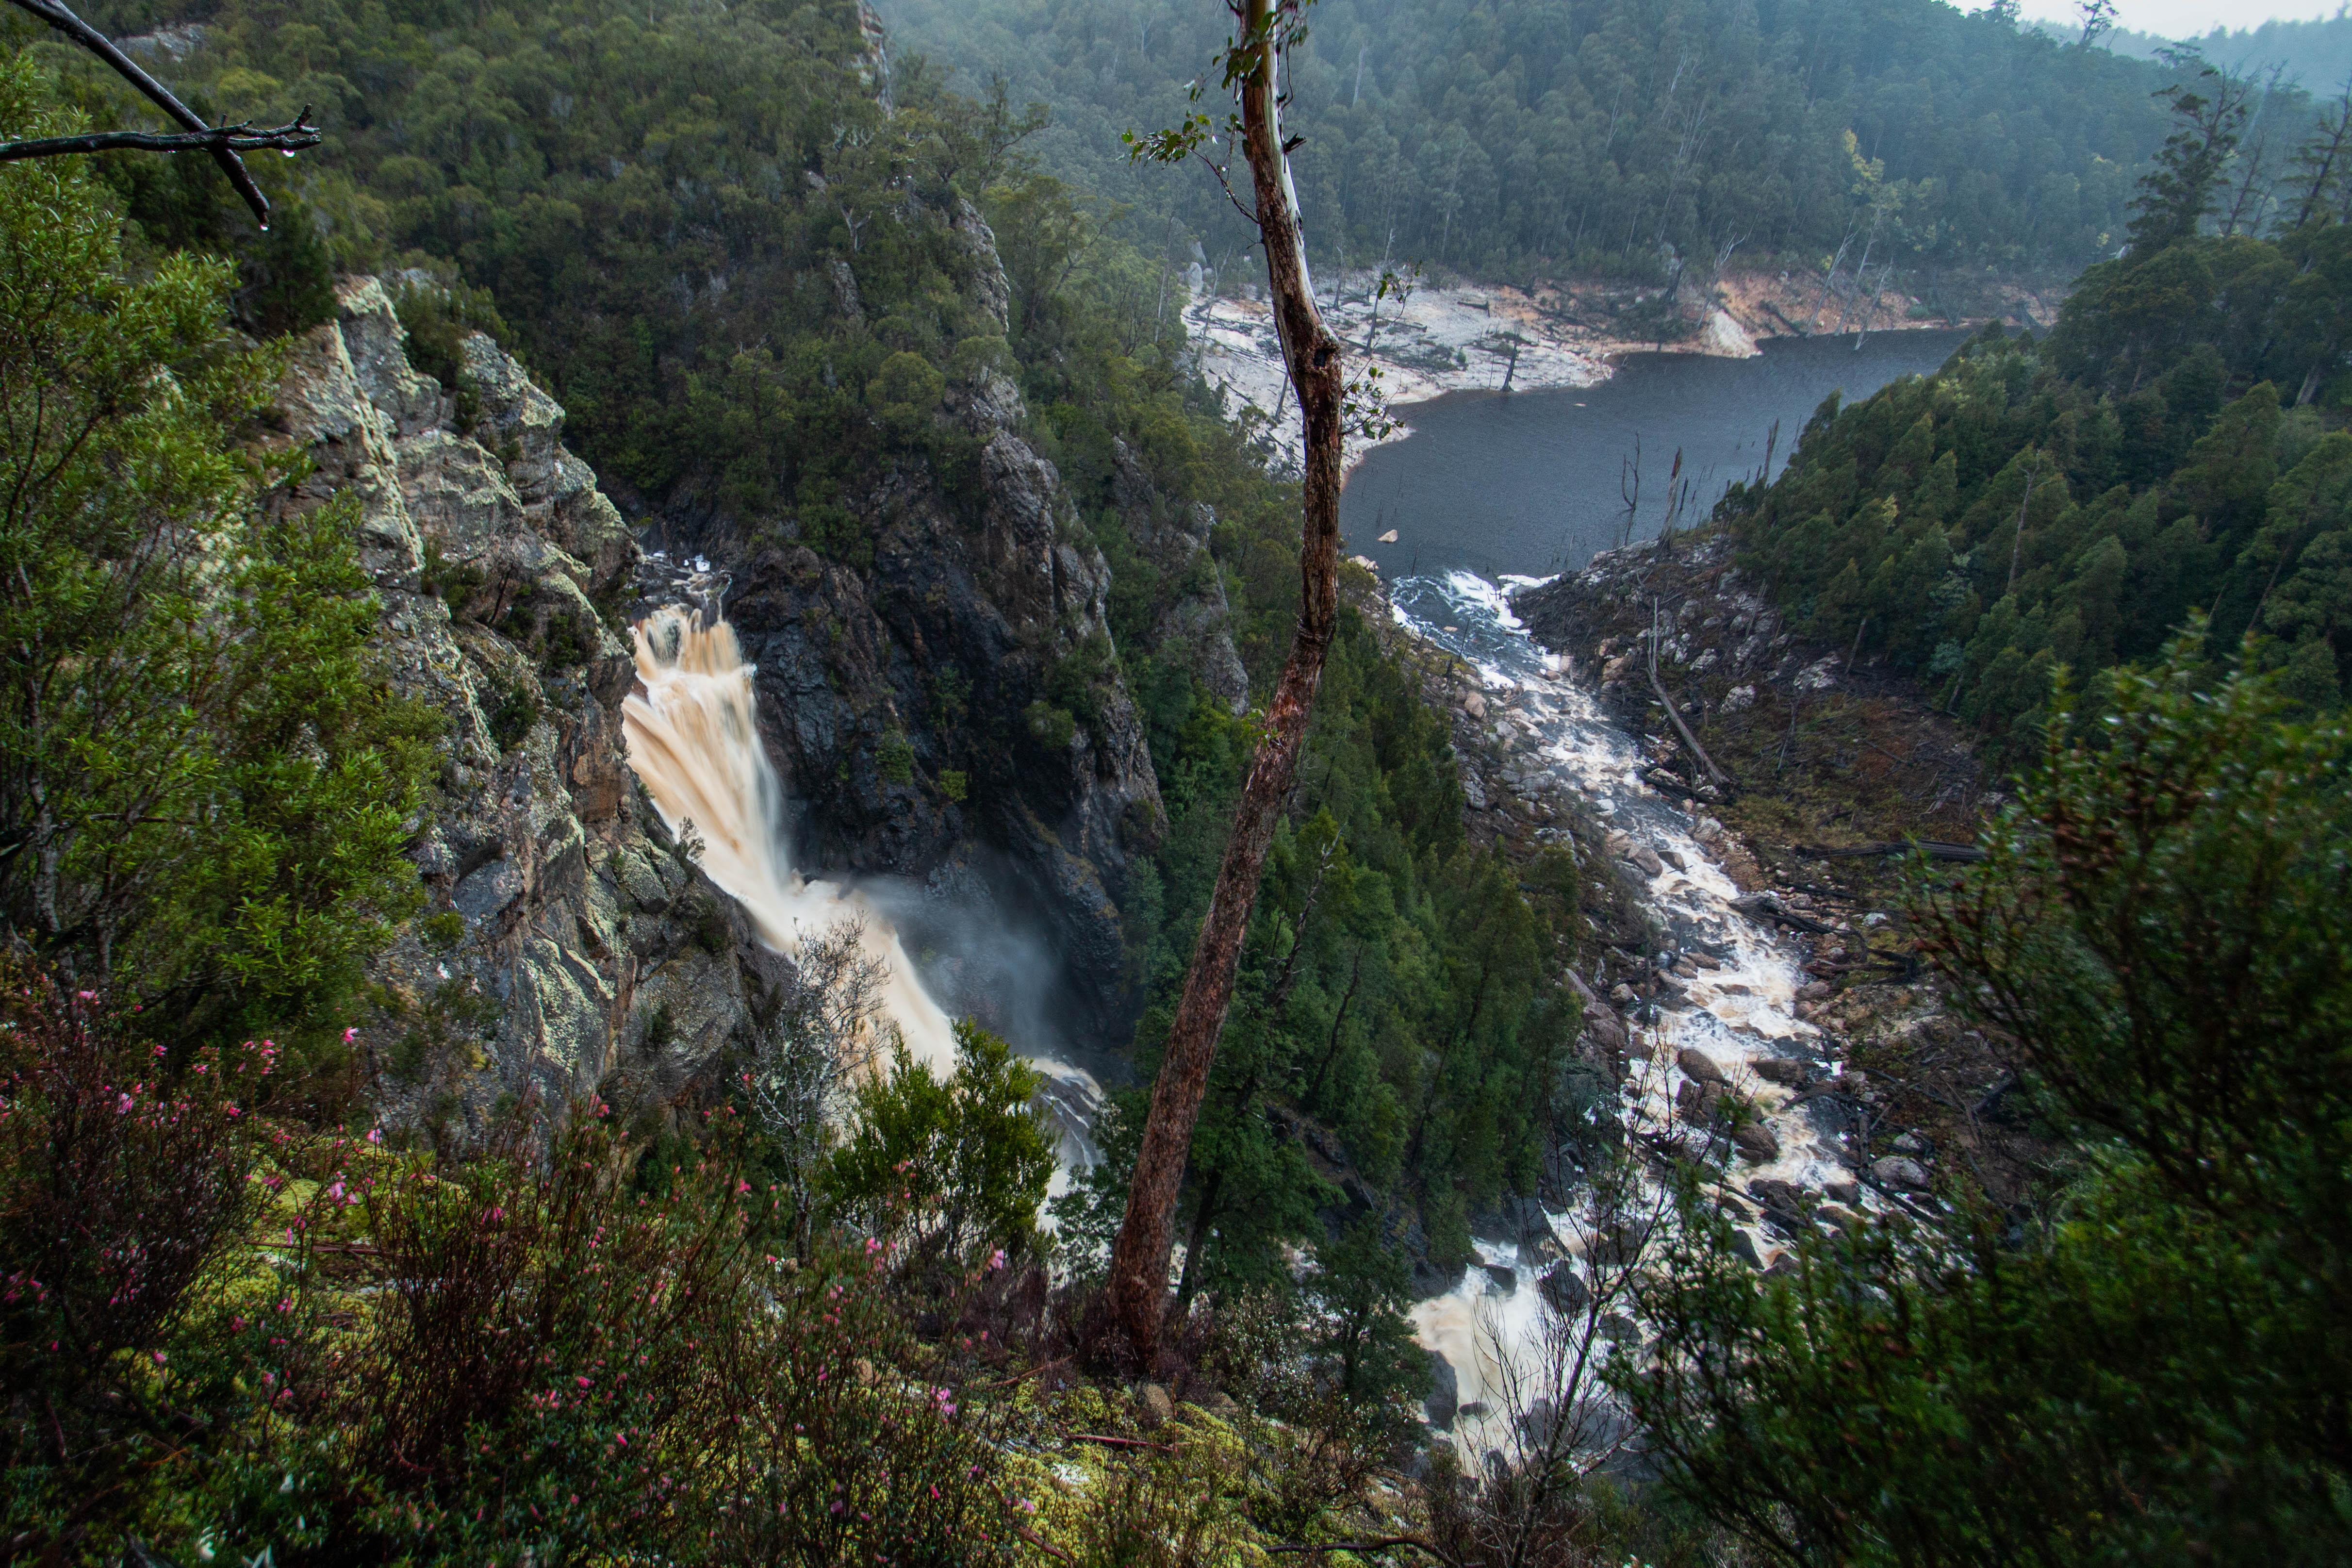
(566, 945)
(1195, 626)
(953, 713)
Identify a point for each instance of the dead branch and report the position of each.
(239, 138)
(217, 141)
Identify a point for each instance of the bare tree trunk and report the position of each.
(1138, 1272)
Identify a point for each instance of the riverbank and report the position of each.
(1465, 337)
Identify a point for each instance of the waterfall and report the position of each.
(694, 740)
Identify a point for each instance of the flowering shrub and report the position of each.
(562, 1367)
(124, 1176)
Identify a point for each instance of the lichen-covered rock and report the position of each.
(561, 928)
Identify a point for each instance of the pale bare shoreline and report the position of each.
(1476, 338)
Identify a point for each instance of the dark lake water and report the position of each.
(1528, 482)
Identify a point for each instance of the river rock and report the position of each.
(1698, 1103)
(1844, 1192)
(1445, 1389)
(1897, 1171)
(1782, 1071)
(1699, 1065)
(1756, 1141)
(1646, 858)
(1506, 1278)
(1565, 1289)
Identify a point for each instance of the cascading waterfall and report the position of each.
(1735, 1015)
(693, 740)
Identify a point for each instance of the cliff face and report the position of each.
(954, 714)
(951, 715)
(564, 942)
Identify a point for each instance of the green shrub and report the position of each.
(894, 757)
(514, 712)
(1052, 727)
(954, 784)
(948, 1170)
(442, 929)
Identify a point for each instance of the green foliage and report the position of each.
(203, 777)
(1362, 1287)
(1050, 727)
(2173, 444)
(946, 1171)
(2142, 1369)
(745, 280)
(894, 757)
(431, 1361)
(954, 784)
(514, 712)
(1502, 139)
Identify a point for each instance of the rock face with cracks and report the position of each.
(565, 942)
(954, 714)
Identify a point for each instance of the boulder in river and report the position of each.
(1756, 1140)
(1698, 1103)
(1445, 1389)
(1565, 1289)
(1697, 1065)
(1783, 1070)
(1846, 1192)
(1506, 1278)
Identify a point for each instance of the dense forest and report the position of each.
(2315, 55)
(237, 1316)
(2174, 445)
(1507, 141)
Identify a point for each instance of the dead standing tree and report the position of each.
(222, 141)
(1266, 28)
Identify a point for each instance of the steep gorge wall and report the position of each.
(889, 692)
(564, 940)
(567, 944)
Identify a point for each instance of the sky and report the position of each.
(2187, 18)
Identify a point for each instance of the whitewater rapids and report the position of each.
(1735, 1015)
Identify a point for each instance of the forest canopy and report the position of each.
(1503, 139)
(2174, 444)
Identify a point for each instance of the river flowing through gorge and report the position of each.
(1723, 1027)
